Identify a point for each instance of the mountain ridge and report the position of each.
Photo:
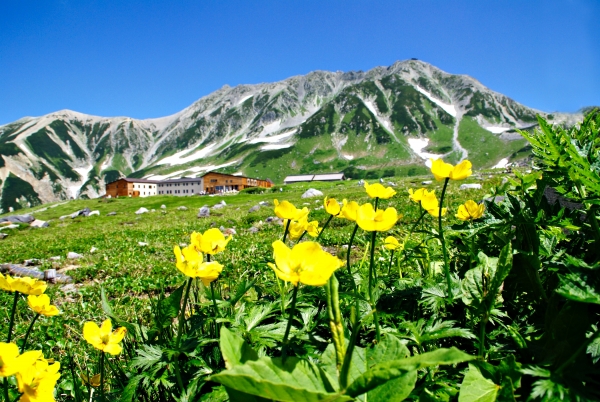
(359, 122)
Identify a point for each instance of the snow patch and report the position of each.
(502, 164)
(273, 138)
(275, 146)
(191, 172)
(417, 145)
(271, 128)
(372, 109)
(497, 129)
(450, 109)
(179, 159)
(245, 98)
(347, 157)
(83, 172)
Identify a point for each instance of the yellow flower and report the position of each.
(418, 195)
(306, 263)
(9, 352)
(442, 170)
(391, 243)
(287, 210)
(25, 285)
(297, 229)
(430, 203)
(332, 207)
(211, 242)
(41, 305)
(370, 220)
(470, 210)
(94, 381)
(349, 210)
(36, 380)
(103, 338)
(191, 263)
(378, 191)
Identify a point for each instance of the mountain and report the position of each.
(382, 122)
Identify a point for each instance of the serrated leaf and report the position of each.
(384, 372)
(235, 349)
(294, 380)
(579, 287)
(476, 388)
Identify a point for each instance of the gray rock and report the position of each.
(311, 192)
(381, 180)
(39, 224)
(86, 211)
(73, 256)
(11, 226)
(265, 203)
(96, 212)
(3, 236)
(229, 231)
(181, 208)
(426, 182)
(472, 186)
(163, 206)
(62, 218)
(18, 219)
(111, 213)
(389, 183)
(222, 228)
(253, 229)
(70, 288)
(55, 258)
(142, 210)
(254, 208)
(93, 250)
(142, 243)
(31, 262)
(218, 206)
(204, 212)
(361, 182)
(75, 214)
(223, 202)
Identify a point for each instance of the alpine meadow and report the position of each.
(458, 261)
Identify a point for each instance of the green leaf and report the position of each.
(168, 308)
(394, 390)
(476, 388)
(384, 372)
(117, 321)
(235, 349)
(390, 348)
(579, 287)
(294, 380)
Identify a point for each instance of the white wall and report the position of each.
(181, 189)
(145, 189)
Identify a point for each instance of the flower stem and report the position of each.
(214, 300)
(373, 304)
(287, 228)
(8, 338)
(179, 333)
(28, 332)
(102, 398)
(324, 226)
(289, 324)
(391, 260)
(443, 241)
(349, 249)
(482, 337)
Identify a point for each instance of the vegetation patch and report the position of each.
(14, 189)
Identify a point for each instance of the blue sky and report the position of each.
(153, 58)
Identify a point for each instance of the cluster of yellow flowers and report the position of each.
(190, 260)
(36, 376)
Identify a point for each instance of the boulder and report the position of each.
(204, 212)
(181, 208)
(163, 206)
(73, 256)
(142, 210)
(96, 212)
(18, 219)
(311, 192)
(472, 186)
(254, 208)
(111, 213)
(39, 224)
(86, 211)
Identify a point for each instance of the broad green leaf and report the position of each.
(235, 349)
(579, 287)
(168, 308)
(384, 372)
(394, 390)
(117, 321)
(294, 380)
(390, 348)
(476, 388)
(238, 396)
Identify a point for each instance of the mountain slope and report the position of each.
(385, 121)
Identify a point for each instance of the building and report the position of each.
(210, 183)
(181, 187)
(127, 187)
(215, 182)
(314, 177)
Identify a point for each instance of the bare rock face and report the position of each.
(311, 192)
